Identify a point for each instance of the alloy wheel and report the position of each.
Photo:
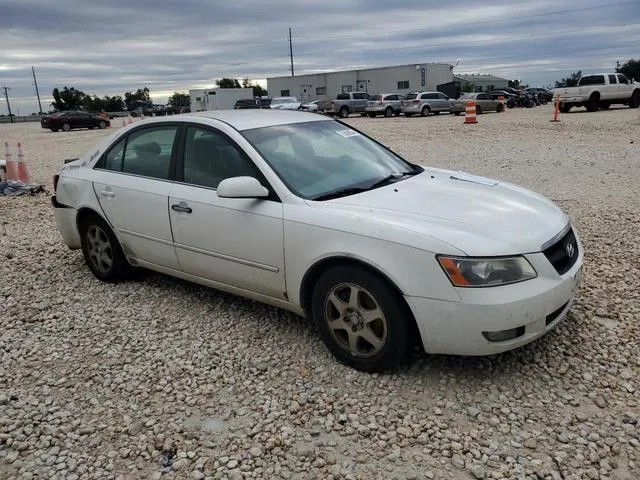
(355, 320)
(99, 249)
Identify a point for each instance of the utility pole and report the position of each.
(6, 96)
(37, 93)
(291, 51)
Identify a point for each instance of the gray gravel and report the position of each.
(158, 378)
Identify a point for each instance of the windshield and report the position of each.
(317, 158)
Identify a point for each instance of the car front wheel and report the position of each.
(361, 320)
(66, 127)
(102, 125)
(102, 251)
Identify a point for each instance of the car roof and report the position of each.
(246, 119)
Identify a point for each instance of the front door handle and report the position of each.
(107, 193)
(181, 207)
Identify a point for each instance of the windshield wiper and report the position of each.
(391, 178)
(343, 192)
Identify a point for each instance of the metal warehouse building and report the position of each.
(482, 83)
(400, 78)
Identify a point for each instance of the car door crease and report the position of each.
(221, 256)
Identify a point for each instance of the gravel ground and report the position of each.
(158, 378)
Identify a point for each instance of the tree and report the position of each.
(180, 100)
(141, 94)
(570, 81)
(630, 69)
(68, 99)
(258, 91)
(228, 83)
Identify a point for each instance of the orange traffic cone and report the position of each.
(23, 171)
(10, 166)
(556, 110)
(470, 112)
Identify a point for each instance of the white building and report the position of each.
(217, 98)
(399, 78)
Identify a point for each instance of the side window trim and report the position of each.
(101, 163)
(179, 164)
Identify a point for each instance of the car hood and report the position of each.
(476, 215)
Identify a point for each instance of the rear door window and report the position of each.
(612, 79)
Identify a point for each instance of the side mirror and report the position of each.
(241, 187)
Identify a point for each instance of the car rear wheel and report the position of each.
(344, 112)
(361, 319)
(101, 250)
(388, 112)
(425, 111)
(478, 110)
(102, 125)
(593, 104)
(500, 108)
(66, 127)
(635, 99)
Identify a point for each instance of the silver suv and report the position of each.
(386, 104)
(424, 103)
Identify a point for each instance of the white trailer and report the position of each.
(217, 98)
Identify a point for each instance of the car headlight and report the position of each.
(486, 272)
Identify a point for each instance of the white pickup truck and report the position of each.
(599, 91)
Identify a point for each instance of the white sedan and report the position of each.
(285, 103)
(313, 216)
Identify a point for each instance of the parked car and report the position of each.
(424, 103)
(245, 103)
(345, 104)
(386, 104)
(285, 103)
(599, 91)
(310, 106)
(71, 119)
(484, 103)
(311, 215)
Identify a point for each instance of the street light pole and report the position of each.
(6, 96)
(35, 82)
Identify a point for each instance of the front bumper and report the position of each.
(65, 217)
(529, 309)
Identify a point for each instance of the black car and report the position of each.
(73, 119)
(246, 103)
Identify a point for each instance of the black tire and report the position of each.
(388, 112)
(500, 108)
(478, 109)
(593, 104)
(565, 107)
(634, 102)
(97, 238)
(391, 329)
(66, 127)
(102, 125)
(344, 112)
(457, 114)
(426, 110)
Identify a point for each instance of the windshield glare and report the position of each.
(316, 158)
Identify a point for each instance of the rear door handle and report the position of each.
(181, 207)
(107, 193)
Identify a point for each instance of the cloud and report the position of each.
(121, 45)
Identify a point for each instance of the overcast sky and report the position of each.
(113, 46)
